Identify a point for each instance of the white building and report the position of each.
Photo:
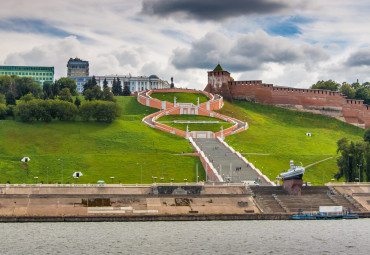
(135, 83)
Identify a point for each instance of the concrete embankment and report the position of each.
(171, 202)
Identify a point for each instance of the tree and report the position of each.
(66, 110)
(47, 90)
(10, 99)
(347, 90)
(353, 155)
(126, 91)
(108, 95)
(25, 85)
(89, 96)
(3, 111)
(363, 94)
(87, 110)
(5, 83)
(67, 83)
(367, 135)
(328, 85)
(65, 95)
(2, 99)
(27, 97)
(106, 111)
(119, 86)
(55, 89)
(98, 94)
(116, 87)
(90, 84)
(77, 102)
(105, 83)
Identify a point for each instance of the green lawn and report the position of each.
(214, 127)
(98, 150)
(281, 133)
(101, 150)
(181, 97)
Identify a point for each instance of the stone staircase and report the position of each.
(277, 200)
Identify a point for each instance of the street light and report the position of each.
(61, 171)
(141, 164)
(36, 178)
(155, 179)
(359, 172)
(112, 178)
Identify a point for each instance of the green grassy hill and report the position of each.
(98, 150)
(281, 134)
(181, 97)
(214, 127)
(101, 150)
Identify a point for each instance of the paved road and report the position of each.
(226, 162)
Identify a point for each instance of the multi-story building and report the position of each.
(78, 70)
(135, 83)
(41, 74)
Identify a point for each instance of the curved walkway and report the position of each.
(215, 154)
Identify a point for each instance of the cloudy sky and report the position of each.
(284, 42)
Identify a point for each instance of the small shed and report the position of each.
(25, 159)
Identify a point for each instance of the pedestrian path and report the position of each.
(227, 163)
(221, 162)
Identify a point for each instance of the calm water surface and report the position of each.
(210, 237)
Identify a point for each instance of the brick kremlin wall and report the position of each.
(323, 102)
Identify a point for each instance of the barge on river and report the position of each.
(326, 213)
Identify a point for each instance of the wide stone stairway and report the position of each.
(276, 200)
(227, 164)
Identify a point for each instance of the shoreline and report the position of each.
(146, 218)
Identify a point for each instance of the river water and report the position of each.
(207, 237)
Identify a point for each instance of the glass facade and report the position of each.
(40, 74)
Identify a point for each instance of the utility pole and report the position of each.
(141, 172)
(197, 173)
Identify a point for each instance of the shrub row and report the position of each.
(46, 110)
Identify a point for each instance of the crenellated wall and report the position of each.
(318, 101)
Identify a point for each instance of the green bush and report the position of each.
(104, 111)
(3, 111)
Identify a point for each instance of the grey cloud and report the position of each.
(215, 9)
(34, 26)
(55, 54)
(359, 58)
(248, 52)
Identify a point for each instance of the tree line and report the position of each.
(91, 85)
(55, 101)
(354, 161)
(351, 91)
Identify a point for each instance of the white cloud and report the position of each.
(115, 37)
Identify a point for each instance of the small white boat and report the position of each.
(295, 172)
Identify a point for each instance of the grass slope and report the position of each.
(98, 150)
(181, 97)
(281, 133)
(214, 127)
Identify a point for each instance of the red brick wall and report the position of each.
(352, 111)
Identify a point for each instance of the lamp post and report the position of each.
(112, 177)
(61, 171)
(359, 172)
(36, 178)
(155, 179)
(47, 175)
(141, 175)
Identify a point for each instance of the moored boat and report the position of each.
(324, 214)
